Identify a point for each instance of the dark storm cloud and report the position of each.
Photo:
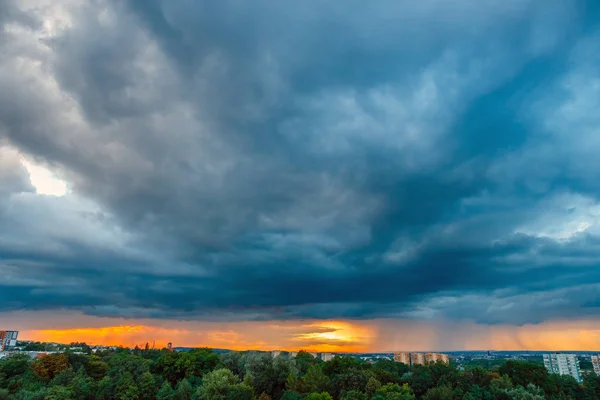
(233, 160)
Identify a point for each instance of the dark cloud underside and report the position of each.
(260, 160)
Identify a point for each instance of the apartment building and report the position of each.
(563, 364)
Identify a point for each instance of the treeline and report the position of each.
(201, 374)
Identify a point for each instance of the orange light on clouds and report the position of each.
(379, 335)
(318, 336)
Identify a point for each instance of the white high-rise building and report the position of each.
(327, 356)
(8, 339)
(596, 363)
(563, 364)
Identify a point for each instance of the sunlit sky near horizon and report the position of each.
(332, 176)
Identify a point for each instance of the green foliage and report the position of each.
(126, 388)
(315, 381)
(291, 383)
(166, 392)
(222, 384)
(523, 373)
(395, 392)
(147, 386)
(290, 395)
(372, 386)
(201, 375)
(319, 396)
(439, 393)
(355, 395)
(303, 361)
(184, 390)
(59, 393)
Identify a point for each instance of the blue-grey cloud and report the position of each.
(231, 160)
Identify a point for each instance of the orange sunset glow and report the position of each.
(318, 336)
(334, 336)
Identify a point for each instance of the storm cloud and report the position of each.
(264, 160)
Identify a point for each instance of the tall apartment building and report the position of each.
(417, 359)
(402, 358)
(563, 364)
(596, 363)
(8, 340)
(327, 356)
(435, 357)
(420, 358)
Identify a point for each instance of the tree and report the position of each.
(291, 383)
(126, 388)
(54, 364)
(394, 391)
(165, 392)
(355, 395)
(14, 365)
(105, 389)
(351, 379)
(264, 396)
(184, 390)
(290, 395)
(96, 368)
(59, 393)
(439, 393)
(221, 384)
(147, 386)
(303, 361)
(420, 380)
(523, 373)
(82, 386)
(531, 393)
(319, 396)
(372, 386)
(315, 380)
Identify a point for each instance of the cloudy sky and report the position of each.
(328, 175)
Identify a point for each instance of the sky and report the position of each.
(331, 176)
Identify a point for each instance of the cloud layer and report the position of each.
(282, 160)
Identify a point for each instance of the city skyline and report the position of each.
(314, 175)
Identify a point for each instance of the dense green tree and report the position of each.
(523, 373)
(96, 368)
(290, 395)
(319, 396)
(339, 365)
(352, 379)
(439, 393)
(105, 389)
(59, 393)
(166, 392)
(303, 361)
(222, 384)
(264, 396)
(372, 386)
(354, 395)
(291, 383)
(591, 387)
(126, 388)
(394, 391)
(82, 386)
(315, 381)
(15, 365)
(420, 380)
(147, 386)
(478, 393)
(184, 390)
(388, 371)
